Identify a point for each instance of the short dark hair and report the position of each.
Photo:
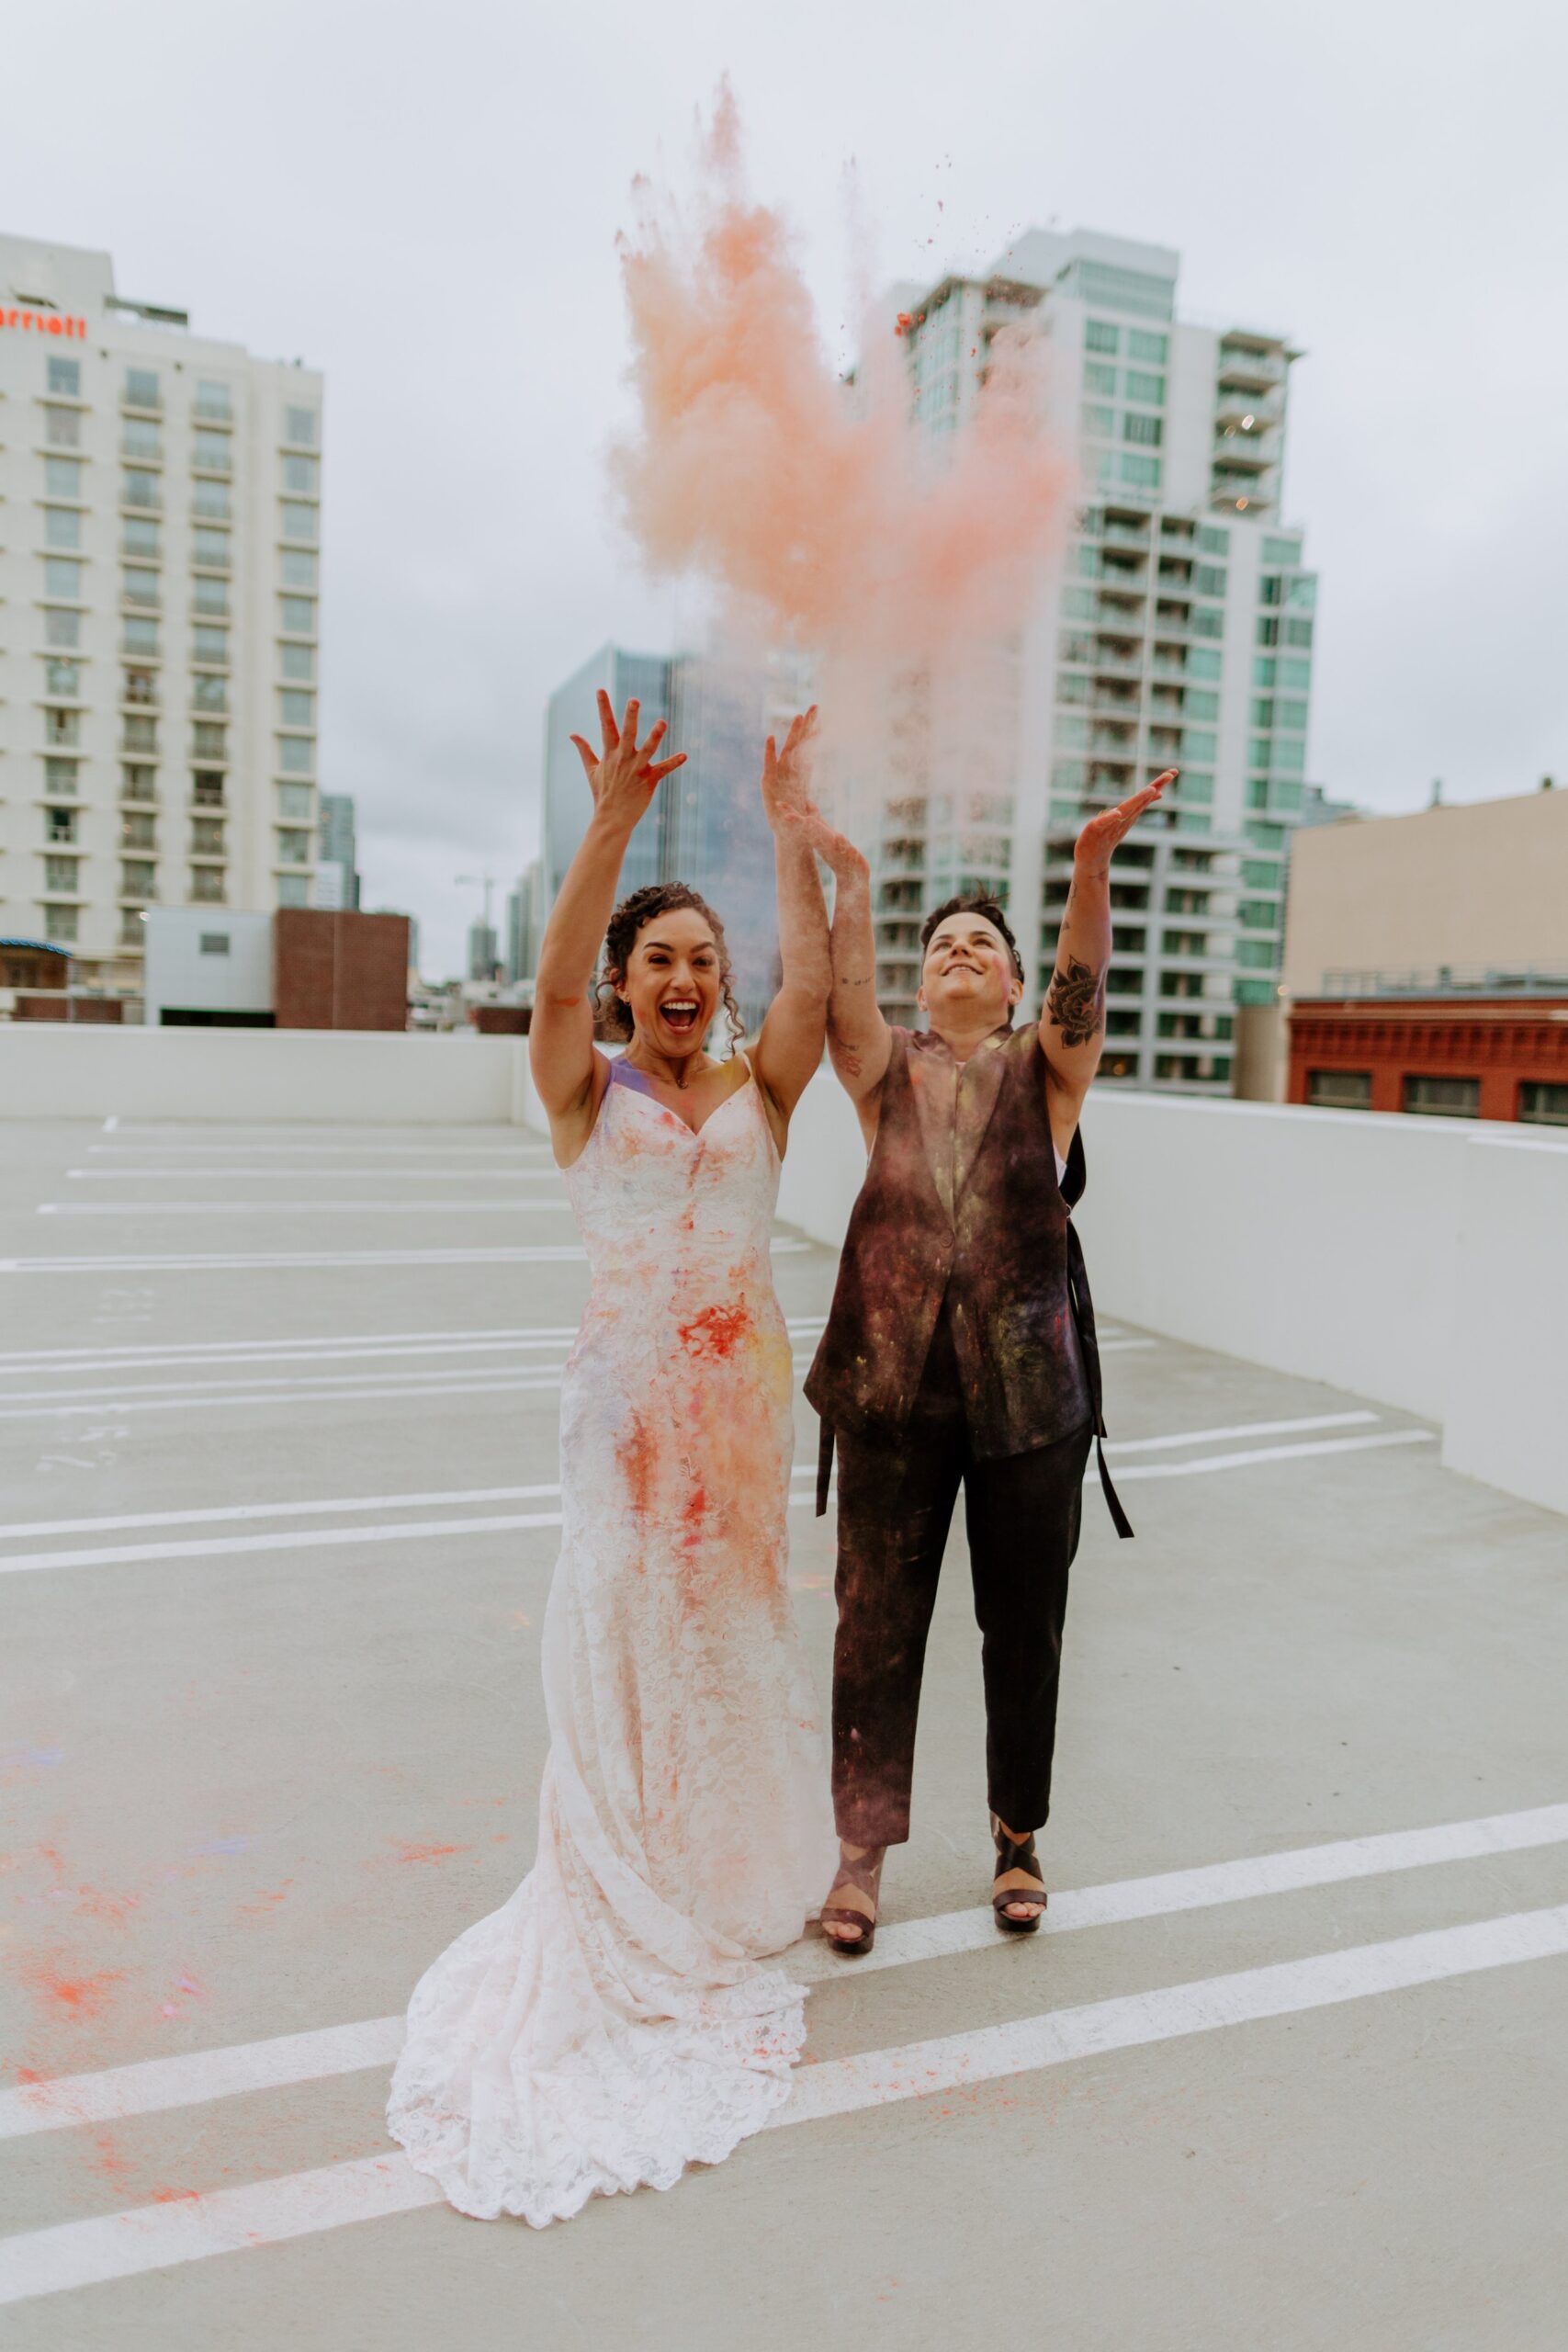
(973, 902)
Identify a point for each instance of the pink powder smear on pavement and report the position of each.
(827, 516)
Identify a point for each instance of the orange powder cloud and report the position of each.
(825, 511)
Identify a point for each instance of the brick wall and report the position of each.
(339, 971)
(1501, 1044)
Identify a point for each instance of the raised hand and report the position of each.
(786, 774)
(1100, 836)
(837, 852)
(626, 775)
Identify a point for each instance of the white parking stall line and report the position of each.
(152, 2085)
(205, 1147)
(184, 1261)
(301, 1208)
(452, 1497)
(152, 2237)
(1237, 1429)
(1209, 1463)
(417, 1175)
(249, 1387)
(219, 1354)
(215, 1400)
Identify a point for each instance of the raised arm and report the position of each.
(859, 1040)
(1072, 1026)
(788, 1052)
(623, 780)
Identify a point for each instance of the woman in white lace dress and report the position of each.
(610, 2024)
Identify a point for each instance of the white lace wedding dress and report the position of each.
(609, 2025)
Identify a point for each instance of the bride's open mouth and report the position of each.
(680, 1014)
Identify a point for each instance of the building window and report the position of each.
(1267, 630)
(298, 661)
(296, 755)
(296, 615)
(1135, 426)
(210, 502)
(139, 686)
(1209, 579)
(296, 522)
(62, 477)
(1141, 385)
(1298, 633)
(139, 540)
(209, 644)
(1542, 1105)
(1099, 378)
(62, 526)
(139, 831)
(1144, 473)
(59, 825)
(141, 389)
(206, 836)
(209, 693)
(140, 733)
(60, 776)
(207, 791)
(302, 477)
(62, 428)
(295, 800)
(62, 678)
(61, 873)
(1098, 420)
(293, 848)
(140, 439)
(139, 587)
(212, 398)
(299, 426)
(1208, 620)
(205, 886)
(63, 727)
(142, 490)
(132, 932)
(137, 879)
(59, 925)
(213, 942)
(1447, 1098)
(138, 635)
(1143, 345)
(293, 889)
(65, 377)
(62, 628)
(209, 739)
(211, 452)
(294, 708)
(210, 548)
(298, 568)
(209, 596)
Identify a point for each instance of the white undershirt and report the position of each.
(1061, 1165)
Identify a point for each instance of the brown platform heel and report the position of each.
(1016, 1854)
(866, 1875)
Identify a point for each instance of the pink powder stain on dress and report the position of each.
(716, 1331)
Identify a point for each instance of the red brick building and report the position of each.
(1492, 1049)
(339, 971)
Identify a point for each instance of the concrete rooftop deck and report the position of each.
(1290, 2071)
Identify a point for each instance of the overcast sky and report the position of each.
(423, 201)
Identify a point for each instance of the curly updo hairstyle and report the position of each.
(629, 918)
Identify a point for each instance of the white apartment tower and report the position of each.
(1177, 633)
(160, 503)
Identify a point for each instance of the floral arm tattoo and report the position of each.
(1076, 1001)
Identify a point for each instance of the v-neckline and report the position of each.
(647, 1094)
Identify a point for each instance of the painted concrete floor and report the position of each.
(1289, 2071)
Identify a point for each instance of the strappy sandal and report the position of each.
(866, 1875)
(1016, 1854)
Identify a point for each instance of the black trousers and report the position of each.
(1022, 1514)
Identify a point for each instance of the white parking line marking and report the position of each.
(542, 1253)
(314, 1175)
(524, 1335)
(1209, 1462)
(206, 1149)
(300, 1208)
(452, 1497)
(1237, 1429)
(153, 2237)
(155, 2084)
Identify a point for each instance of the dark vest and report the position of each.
(961, 1208)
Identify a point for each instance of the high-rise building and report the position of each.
(706, 825)
(159, 505)
(526, 923)
(337, 866)
(1179, 632)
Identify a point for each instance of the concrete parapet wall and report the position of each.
(392, 1078)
